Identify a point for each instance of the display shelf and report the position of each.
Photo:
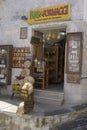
(40, 75)
(5, 64)
(51, 59)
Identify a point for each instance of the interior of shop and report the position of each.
(49, 59)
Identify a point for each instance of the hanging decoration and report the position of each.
(53, 36)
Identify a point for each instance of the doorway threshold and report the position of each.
(52, 87)
(48, 96)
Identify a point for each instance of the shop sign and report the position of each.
(49, 14)
(74, 57)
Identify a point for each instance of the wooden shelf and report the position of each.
(41, 78)
(51, 59)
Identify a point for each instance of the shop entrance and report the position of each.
(49, 59)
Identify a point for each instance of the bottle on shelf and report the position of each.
(35, 62)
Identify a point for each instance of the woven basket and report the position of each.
(16, 88)
(29, 103)
(25, 72)
(27, 64)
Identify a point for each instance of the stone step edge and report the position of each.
(51, 102)
(53, 94)
(49, 96)
(46, 98)
(46, 91)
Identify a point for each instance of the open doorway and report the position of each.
(49, 59)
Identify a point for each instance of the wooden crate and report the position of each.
(24, 93)
(29, 103)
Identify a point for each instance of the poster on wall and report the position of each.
(74, 57)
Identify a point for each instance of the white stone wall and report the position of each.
(11, 12)
(84, 65)
(85, 10)
(78, 93)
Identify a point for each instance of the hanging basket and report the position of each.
(27, 64)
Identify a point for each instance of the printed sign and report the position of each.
(49, 14)
(74, 57)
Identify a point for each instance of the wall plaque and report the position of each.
(74, 57)
(19, 56)
(23, 33)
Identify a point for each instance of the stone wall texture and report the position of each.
(9, 121)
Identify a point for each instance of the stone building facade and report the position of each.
(13, 15)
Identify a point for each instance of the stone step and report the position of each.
(51, 94)
(49, 97)
(48, 100)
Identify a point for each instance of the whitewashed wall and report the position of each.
(11, 12)
(85, 10)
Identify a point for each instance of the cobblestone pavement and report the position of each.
(78, 124)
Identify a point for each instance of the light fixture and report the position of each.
(53, 35)
(48, 36)
(63, 33)
(58, 36)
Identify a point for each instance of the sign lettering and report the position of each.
(49, 14)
